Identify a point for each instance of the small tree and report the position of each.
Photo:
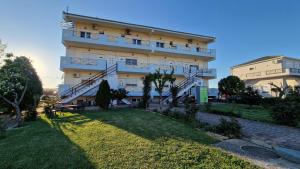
(279, 90)
(174, 92)
(18, 80)
(103, 96)
(146, 91)
(190, 108)
(118, 94)
(160, 80)
(231, 87)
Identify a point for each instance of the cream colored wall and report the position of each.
(139, 35)
(244, 72)
(143, 59)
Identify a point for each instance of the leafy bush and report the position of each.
(250, 97)
(146, 91)
(207, 106)
(174, 91)
(166, 112)
(31, 114)
(118, 94)
(177, 115)
(269, 101)
(230, 128)
(49, 113)
(103, 96)
(2, 129)
(286, 112)
(190, 109)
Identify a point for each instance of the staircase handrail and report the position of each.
(89, 81)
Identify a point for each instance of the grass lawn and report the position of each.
(257, 113)
(127, 138)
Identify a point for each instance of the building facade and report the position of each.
(260, 73)
(124, 53)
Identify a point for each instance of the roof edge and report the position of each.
(209, 38)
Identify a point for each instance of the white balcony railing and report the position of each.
(136, 43)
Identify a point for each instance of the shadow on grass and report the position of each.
(41, 144)
(149, 125)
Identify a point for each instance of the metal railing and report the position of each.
(142, 42)
(88, 82)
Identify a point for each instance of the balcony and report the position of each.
(272, 73)
(67, 62)
(108, 42)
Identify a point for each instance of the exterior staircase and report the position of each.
(84, 87)
(185, 85)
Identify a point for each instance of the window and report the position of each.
(136, 41)
(131, 62)
(251, 68)
(88, 35)
(160, 44)
(82, 34)
(131, 85)
(76, 75)
(197, 49)
(85, 34)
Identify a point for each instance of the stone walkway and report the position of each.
(259, 132)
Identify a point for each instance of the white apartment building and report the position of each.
(124, 53)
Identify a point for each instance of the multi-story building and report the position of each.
(260, 73)
(124, 53)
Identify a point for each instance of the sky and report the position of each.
(244, 29)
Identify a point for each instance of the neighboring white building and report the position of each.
(124, 53)
(280, 70)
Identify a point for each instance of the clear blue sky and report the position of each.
(244, 29)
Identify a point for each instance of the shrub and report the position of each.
(207, 106)
(177, 115)
(31, 114)
(2, 129)
(103, 96)
(286, 113)
(166, 112)
(48, 112)
(190, 109)
(118, 94)
(146, 91)
(174, 91)
(269, 101)
(230, 128)
(250, 97)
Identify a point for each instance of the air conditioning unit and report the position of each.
(94, 27)
(127, 32)
(76, 75)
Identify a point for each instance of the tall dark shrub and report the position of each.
(146, 91)
(174, 91)
(250, 96)
(190, 109)
(286, 112)
(2, 128)
(103, 96)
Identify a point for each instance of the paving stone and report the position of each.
(272, 134)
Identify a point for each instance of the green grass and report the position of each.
(257, 113)
(128, 138)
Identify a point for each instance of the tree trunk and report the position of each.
(160, 102)
(18, 115)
